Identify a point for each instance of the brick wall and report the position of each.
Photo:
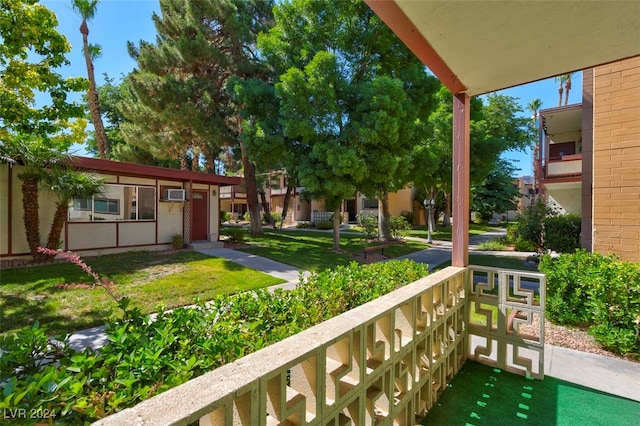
(616, 159)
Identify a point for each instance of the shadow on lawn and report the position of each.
(23, 312)
(482, 395)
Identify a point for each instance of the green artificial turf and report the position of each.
(482, 395)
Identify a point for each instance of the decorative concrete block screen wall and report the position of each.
(506, 323)
(384, 363)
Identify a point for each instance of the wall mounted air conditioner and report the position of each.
(175, 195)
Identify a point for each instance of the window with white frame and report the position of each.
(116, 202)
(370, 203)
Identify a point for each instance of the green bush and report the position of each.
(276, 217)
(369, 225)
(225, 216)
(146, 357)
(324, 224)
(409, 216)
(399, 227)
(596, 290)
(246, 217)
(303, 224)
(492, 245)
(568, 280)
(177, 242)
(562, 233)
(527, 231)
(235, 235)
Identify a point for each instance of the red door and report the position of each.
(200, 222)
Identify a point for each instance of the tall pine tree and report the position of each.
(181, 84)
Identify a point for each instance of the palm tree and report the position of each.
(87, 10)
(561, 79)
(35, 157)
(567, 87)
(534, 107)
(66, 185)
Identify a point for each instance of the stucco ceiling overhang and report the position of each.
(476, 47)
(560, 120)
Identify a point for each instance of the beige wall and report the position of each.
(97, 237)
(18, 244)
(616, 154)
(400, 201)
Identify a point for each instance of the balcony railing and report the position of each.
(385, 362)
(566, 165)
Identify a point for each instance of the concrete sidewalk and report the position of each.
(288, 273)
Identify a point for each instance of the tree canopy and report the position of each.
(349, 95)
(31, 52)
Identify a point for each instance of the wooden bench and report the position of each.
(380, 247)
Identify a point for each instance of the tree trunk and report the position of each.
(384, 218)
(567, 87)
(336, 227)
(31, 217)
(92, 96)
(59, 219)
(267, 211)
(252, 192)
(560, 95)
(285, 205)
(446, 222)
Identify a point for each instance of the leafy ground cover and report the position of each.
(147, 278)
(313, 250)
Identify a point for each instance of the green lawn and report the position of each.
(503, 262)
(444, 233)
(313, 250)
(147, 278)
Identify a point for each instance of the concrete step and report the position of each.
(202, 245)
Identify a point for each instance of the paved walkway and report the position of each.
(606, 374)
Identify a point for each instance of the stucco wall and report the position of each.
(616, 165)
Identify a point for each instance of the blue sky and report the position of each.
(119, 21)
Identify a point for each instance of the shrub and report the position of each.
(602, 291)
(492, 245)
(399, 227)
(235, 235)
(324, 224)
(409, 216)
(303, 224)
(225, 216)
(369, 225)
(277, 218)
(562, 233)
(246, 217)
(146, 357)
(527, 231)
(568, 279)
(177, 242)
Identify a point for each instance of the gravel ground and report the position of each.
(577, 339)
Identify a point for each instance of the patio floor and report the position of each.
(482, 395)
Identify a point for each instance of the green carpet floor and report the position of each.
(481, 395)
